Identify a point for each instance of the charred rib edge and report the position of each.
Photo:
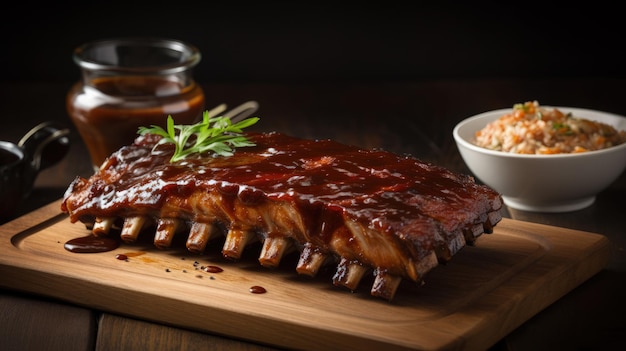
(493, 218)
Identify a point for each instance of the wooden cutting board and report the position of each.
(484, 293)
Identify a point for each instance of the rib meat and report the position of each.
(364, 211)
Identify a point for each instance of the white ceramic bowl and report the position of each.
(543, 183)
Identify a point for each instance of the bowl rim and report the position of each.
(493, 113)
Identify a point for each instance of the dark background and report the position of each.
(375, 70)
(311, 42)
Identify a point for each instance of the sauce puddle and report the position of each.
(94, 244)
(91, 244)
(258, 290)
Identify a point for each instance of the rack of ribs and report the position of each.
(364, 211)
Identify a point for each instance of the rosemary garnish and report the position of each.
(214, 134)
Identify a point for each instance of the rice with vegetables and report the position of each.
(534, 129)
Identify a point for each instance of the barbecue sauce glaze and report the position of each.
(325, 180)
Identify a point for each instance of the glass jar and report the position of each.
(132, 82)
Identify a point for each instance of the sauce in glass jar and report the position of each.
(129, 83)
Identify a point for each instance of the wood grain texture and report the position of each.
(121, 334)
(484, 293)
(48, 325)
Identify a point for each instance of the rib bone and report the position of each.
(166, 229)
(349, 274)
(236, 240)
(199, 235)
(274, 247)
(132, 227)
(311, 260)
(385, 284)
(102, 226)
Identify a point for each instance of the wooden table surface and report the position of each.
(403, 117)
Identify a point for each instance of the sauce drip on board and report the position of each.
(212, 269)
(91, 244)
(257, 289)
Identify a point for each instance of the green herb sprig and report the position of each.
(214, 134)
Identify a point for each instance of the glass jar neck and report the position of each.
(136, 66)
(136, 57)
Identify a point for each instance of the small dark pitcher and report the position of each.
(40, 148)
